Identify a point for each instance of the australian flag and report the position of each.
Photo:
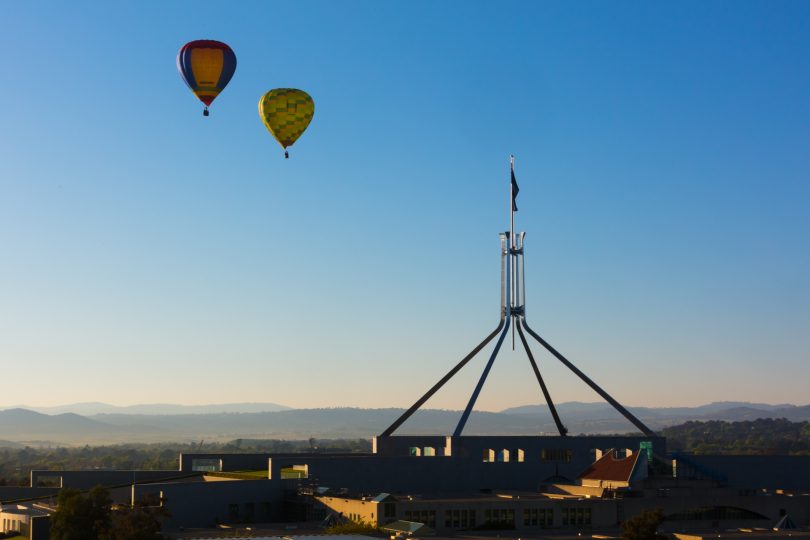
(515, 190)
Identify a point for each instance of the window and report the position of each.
(518, 455)
(206, 465)
(428, 451)
(489, 455)
(576, 516)
(414, 451)
(556, 454)
(48, 481)
(500, 517)
(715, 513)
(503, 455)
(538, 517)
(295, 472)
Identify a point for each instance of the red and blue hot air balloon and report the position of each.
(207, 66)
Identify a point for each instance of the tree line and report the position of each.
(93, 516)
(15, 463)
(764, 436)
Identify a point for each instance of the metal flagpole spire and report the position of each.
(512, 201)
(512, 209)
(513, 313)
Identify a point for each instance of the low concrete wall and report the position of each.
(235, 462)
(374, 474)
(582, 448)
(756, 472)
(13, 493)
(205, 504)
(88, 479)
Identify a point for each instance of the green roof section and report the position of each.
(408, 528)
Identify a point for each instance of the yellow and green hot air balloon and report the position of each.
(286, 113)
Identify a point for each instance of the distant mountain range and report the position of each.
(161, 423)
(91, 408)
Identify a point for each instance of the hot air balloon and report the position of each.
(206, 66)
(286, 113)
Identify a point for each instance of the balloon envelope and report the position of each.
(206, 66)
(286, 113)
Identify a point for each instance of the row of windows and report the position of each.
(247, 512)
(427, 451)
(492, 455)
(500, 517)
(459, 519)
(518, 455)
(576, 516)
(11, 525)
(715, 513)
(538, 517)
(428, 517)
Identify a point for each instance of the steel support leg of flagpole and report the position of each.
(616, 405)
(441, 383)
(560, 427)
(504, 292)
(474, 396)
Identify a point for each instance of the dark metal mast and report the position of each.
(513, 314)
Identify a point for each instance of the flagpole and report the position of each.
(512, 239)
(512, 203)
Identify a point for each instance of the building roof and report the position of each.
(24, 510)
(408, 528)
(382, 497)
(612, 468)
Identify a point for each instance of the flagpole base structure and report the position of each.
(513, 315)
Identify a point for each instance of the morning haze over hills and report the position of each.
(100, 423)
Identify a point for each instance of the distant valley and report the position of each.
(98, 423)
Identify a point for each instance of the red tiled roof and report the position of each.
(609, 467)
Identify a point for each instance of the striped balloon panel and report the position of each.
(206, 66)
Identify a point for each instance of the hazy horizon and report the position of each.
(288, 407)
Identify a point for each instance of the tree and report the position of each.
(80, 516)
(643, 526)
(139, 522)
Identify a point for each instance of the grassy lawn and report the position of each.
(287, 473)
(292, 473)
(241, 475)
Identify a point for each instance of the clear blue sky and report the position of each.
(153, 255)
